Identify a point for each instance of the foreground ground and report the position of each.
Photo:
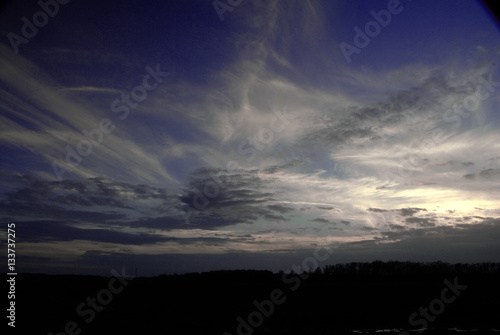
(337, 300)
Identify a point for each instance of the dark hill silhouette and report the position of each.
(333, 299)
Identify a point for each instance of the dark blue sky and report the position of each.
(155, 134)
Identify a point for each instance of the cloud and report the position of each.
(34, 197)
(217, 197)
(55, 119)
(421, 222)
(487, 174)
(397, 227)
(321, 220)
(280, 208)
(411, 211)
(327, 208)
(490, 173)
(56, 231)
(377, 210)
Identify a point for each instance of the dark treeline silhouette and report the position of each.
(375, 268)
(396, 269)
(334, 298)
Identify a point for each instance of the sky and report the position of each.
(186, 136)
